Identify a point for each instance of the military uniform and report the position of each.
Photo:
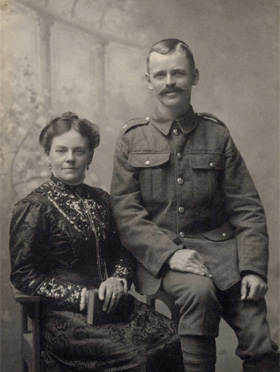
(180, 184)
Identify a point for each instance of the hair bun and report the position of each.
(69, 115)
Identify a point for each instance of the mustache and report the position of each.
(171, 90)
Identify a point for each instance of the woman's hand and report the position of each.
(110, 291)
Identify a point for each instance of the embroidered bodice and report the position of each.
(63, 238)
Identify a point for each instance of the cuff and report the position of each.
(83, 299)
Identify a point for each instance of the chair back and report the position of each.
(168, 300)
(30, 330)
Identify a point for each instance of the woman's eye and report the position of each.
(60, 150)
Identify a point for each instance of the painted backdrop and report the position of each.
(88, 56)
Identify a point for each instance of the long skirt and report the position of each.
(148, 342)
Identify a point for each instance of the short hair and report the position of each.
(67, 121)
(168, 46)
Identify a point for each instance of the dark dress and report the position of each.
(63, 239)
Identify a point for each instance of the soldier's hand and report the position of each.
(253, 287)
(188, 261)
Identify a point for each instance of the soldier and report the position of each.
(187, 209)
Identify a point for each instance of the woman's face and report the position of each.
(69, 156)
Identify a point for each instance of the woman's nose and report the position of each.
(70, 156)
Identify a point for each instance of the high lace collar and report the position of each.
(66, 186)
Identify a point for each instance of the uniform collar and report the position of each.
(187, 122)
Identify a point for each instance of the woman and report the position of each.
(63, 243)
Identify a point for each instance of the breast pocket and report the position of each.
(153, 170)
(207, 172)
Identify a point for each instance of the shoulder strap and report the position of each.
(210, 117)
(134, 123)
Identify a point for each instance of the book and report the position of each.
(121, 314)
(92, 301)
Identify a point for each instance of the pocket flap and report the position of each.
(221, 233)
(147, 160)
(207, 161)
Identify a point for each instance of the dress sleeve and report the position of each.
(246, 213)
(29, 236)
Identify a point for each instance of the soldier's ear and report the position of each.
(147, 76)
(196, 77)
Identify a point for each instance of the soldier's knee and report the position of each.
(200, 298)
(200, 310)
(202, 292)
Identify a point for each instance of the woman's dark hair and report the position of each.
(66, 122)
(168, 46)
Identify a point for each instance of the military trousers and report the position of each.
(201, 306)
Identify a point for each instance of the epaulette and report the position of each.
(134, 123)
(211, 117)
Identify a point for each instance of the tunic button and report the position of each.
(147, 118)
(180, 181)
(147, 162)
(181, 210)
(212, 165)
(176, 131)
(182, 234)
(179, 155)
(224, 235)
